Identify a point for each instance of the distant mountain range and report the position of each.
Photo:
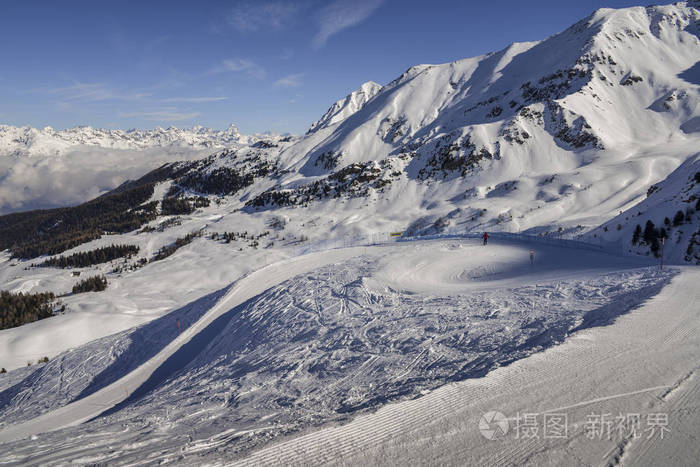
(48, 141)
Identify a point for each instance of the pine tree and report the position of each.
(655, 246)
(637, 233)
(20, 308)
(650, 232)
(678, 218)
(91, 284)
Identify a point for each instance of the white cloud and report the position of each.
(255, 16)
(240, 65)
(341, 15)
(290, 81)
(93, 92)
(75, 177)
(195, 100)
(164, 115)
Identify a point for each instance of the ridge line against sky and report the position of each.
(265, 66)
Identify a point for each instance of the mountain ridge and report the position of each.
(347, 106)
(28, 141)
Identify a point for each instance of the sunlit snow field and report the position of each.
(331, 335)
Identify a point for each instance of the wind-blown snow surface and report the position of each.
(323, 345)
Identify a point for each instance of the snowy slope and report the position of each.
(322, 345)
(562, 137)
(531, 138)
(644, 364)
(678, 193)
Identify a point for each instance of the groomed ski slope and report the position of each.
(97, 403)
(646, 363)
(440, 271)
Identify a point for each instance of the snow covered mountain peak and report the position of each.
(567, 93)
(558, 135)
(370, 87)
(347, 106)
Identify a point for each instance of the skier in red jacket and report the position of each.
(486, 238)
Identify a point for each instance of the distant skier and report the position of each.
(486, 238)
(532, 257)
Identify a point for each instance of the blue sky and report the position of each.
(266, 65)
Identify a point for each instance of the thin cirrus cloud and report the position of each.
(94, 92)
(254, 16)
(235, 65)
(164, 115)
(290, 81)
(194, 100)
(341, 15)
(332, 18)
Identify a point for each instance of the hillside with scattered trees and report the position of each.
(89, 258)
(168, 250)
(91, 284)
(174, 206)
(17, 309)
(52, 231)
(666, 223)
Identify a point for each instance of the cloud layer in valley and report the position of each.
(33, 182)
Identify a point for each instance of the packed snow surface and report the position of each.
(314, 339)
(645, 367)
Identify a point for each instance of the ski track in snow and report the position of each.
(646, 363)
(310, 340)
